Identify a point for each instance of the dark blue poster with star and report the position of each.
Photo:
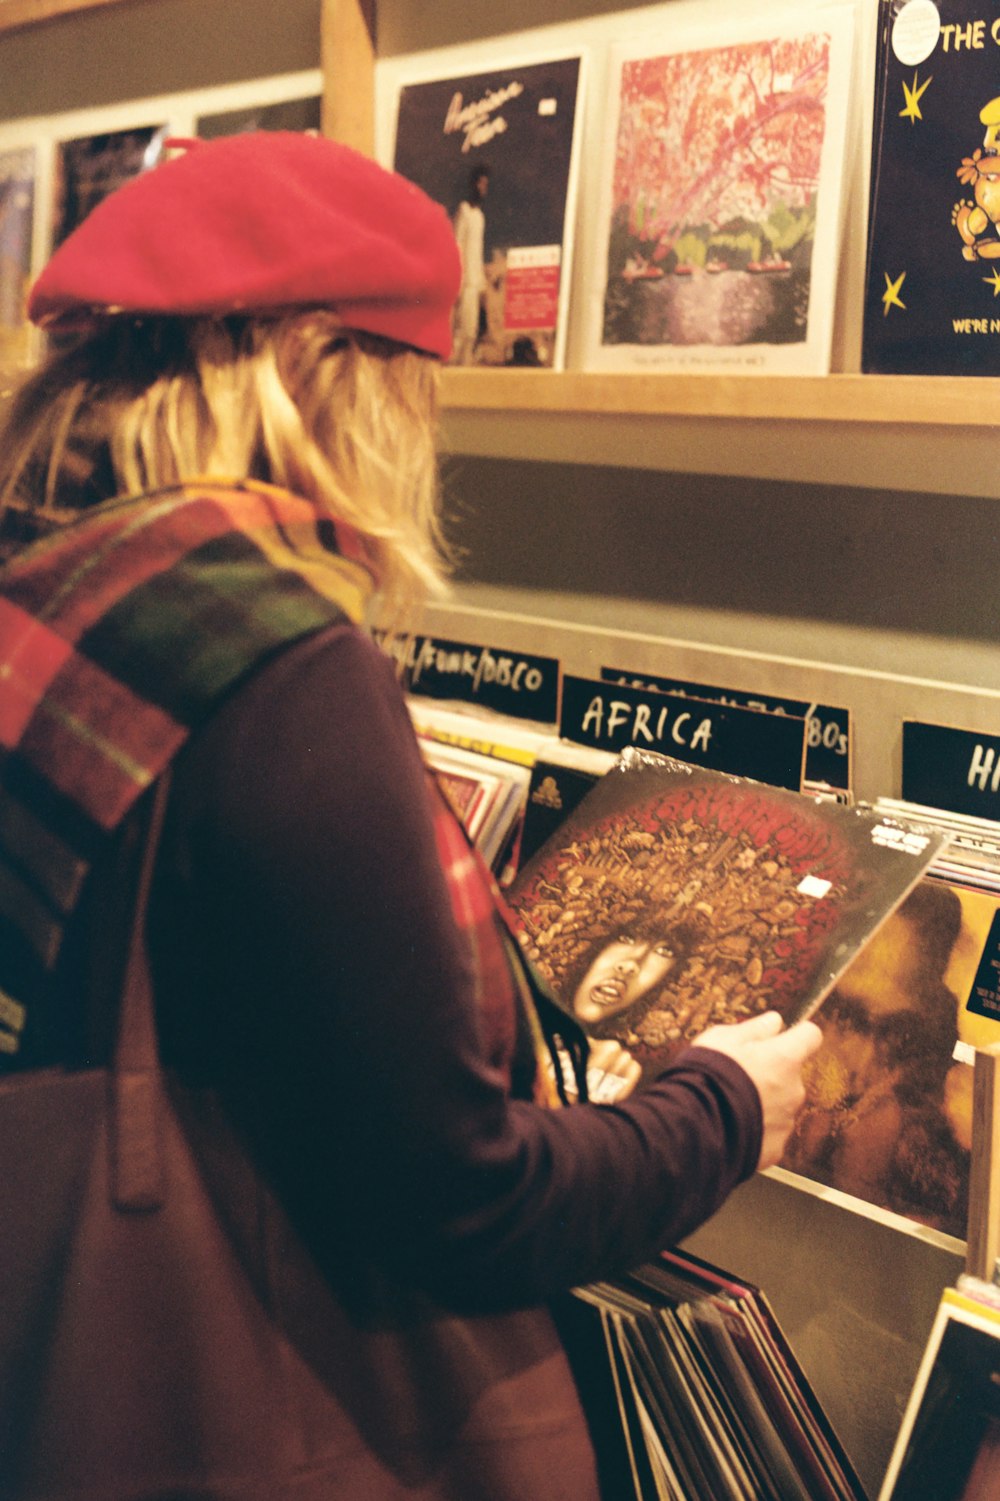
(932, 294)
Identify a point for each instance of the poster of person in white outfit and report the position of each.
(498, 151)
(470, 232)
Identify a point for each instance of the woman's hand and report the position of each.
(774, 1057)
(612, 1072)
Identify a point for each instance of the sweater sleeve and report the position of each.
(308, 966)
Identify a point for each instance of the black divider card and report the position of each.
(828, 731)
(958, 770)
(553, 793)
(514, 683)
(743, 742)
(984, 997)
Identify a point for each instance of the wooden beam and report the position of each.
(18, 13)
(984, 1178)
(348, 60)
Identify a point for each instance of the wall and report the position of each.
(106, 56)
(872, 579)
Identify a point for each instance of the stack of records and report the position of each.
(712, 1401)
(486, 794)
(469, 747)
(972, 857)
(948, 1445)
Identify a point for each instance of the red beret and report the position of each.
(255, 223)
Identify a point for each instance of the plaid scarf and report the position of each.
(119, 633)
(536, 1055)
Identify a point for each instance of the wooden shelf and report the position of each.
(936, 435)
(913, 401)
(15, 13)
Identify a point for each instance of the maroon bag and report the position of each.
(166, 1336)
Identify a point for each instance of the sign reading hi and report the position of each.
(957, 770)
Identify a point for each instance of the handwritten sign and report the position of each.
(958, 770)
(828, 730)
(523, 686)
(724, 737)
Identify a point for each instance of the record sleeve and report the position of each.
(889, 1095)
(722, 196)
(933, 271)
(709, 1381)
(948, 1446)
(498, 149)
(674, 897)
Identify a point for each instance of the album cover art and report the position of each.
(674, 897)
(498, 150)
(948, 1446)
(721, 198)
(17, 207)
(91, 167)
(888, 1112)
(933, 274)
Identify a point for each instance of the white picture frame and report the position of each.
(692, 161)
(175, 114)
(517, 115)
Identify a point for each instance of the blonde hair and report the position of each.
(344, 419)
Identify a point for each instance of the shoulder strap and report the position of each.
(137, 1181)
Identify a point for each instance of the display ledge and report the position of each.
(937, 435)
(915, 399)
(15, 13)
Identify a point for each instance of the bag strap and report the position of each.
(136, 1167)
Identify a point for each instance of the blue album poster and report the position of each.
(932, 293)
(17, 207)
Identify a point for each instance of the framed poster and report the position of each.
(719, 227)
(284, 114)
(932, 277)
(91, 167)
(498, 149)
(17, 210)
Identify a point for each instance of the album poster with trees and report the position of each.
(720, 223)
(674, 897)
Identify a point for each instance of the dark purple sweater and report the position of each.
(308, 966)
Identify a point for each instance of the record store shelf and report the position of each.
(950, 401)
(911, 433)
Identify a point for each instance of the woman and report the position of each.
(249, 339)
